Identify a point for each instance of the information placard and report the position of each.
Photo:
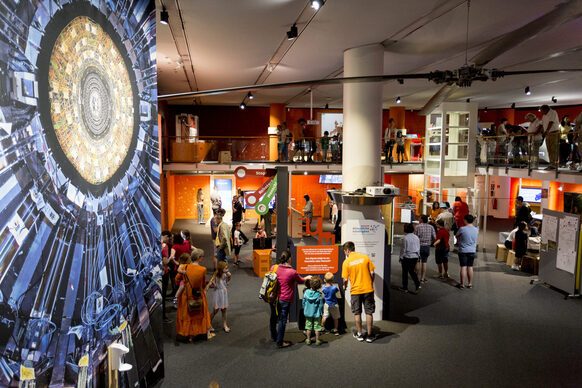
(317, 259)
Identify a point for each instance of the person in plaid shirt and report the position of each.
(426, 235)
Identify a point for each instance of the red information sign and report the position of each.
(317, 259)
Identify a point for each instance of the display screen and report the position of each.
(531, 195)
(330, 179)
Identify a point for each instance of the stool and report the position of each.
(510, 257)
(502, 252)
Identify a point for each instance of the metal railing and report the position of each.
(551, 152)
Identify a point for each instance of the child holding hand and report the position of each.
(313, 309)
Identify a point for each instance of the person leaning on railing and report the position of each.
(535, 139)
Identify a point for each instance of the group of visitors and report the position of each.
(321, 303)
(524, 228)
(434, 230)
(561, 138)
(304, 147)
(394, 137)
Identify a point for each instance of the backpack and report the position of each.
(269, 291)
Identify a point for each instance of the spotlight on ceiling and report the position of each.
(250, 96)
(468, 100)
(400, 81)
(554, 99)
(485, 109)
(316, 4)
(527, 91)
(243, 105)
(292, 33)
(164, 17)
(398, 100)
(513, 106)
(326, 106)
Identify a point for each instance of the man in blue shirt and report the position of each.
(409, 255)
(467, 238)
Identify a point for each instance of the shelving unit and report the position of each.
(449, 159)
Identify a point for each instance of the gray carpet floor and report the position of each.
(504, 332)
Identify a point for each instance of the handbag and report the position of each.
(195, 301)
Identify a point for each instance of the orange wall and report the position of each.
(309, 184)
(185, 190)
(409, 184)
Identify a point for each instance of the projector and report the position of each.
(382, 190)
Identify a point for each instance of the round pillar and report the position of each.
(362, 118)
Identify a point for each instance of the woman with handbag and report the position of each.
(192, 317)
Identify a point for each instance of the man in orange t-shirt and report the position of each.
(358, 269)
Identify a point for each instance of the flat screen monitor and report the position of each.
(531, 194)
(331, 179)
(262, 243)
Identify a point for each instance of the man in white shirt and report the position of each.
(551, 129)
(534, 138)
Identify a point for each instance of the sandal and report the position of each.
(284, 345)
(210, 336)
(227, 329)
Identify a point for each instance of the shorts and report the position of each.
(313, 323)
(424, 253)
(441, 256)
(237, 250)
(368, 301)
(221, 255)
(331, 310)
(466, 259)
(400, 149)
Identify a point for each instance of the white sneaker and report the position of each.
(515, 267)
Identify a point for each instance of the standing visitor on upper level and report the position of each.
(389, 140)
(551, 129)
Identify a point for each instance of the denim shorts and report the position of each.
(424, 253)
(466, 259)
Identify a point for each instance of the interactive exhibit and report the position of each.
(79, 194)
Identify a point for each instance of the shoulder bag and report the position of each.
(195, 301)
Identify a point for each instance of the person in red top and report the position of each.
(279, 311)
(181, 245)
(166, 242)
(442, 249)
(461, 209)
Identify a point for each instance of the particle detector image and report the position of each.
(79, 192)
(91, 100)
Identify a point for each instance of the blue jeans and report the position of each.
(221, 255)
(279, 316)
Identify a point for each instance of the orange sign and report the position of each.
(317, 259)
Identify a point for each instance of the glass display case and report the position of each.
(449, 151)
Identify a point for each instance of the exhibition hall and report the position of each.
(265, 193)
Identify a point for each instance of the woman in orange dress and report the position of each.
(190, 324)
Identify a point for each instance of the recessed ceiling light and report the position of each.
(316, 4)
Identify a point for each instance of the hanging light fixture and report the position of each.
(398, 100)
(292, 33)
(513, 106)
(527, 91)
(243, 105)
(326, 106)
(554, 99)
(164, 16)
(468, 100)
(250, 96)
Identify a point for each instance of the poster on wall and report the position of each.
(368, 236)
(80, 192)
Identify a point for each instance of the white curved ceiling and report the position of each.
(229, 43)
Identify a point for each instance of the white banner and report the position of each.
(368, 237)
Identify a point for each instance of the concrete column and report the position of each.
(362, 118)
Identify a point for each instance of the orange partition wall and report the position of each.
(182, 190)
(556, 196)
(309, 184)
(409, 184)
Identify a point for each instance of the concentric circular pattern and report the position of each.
(91, 100)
